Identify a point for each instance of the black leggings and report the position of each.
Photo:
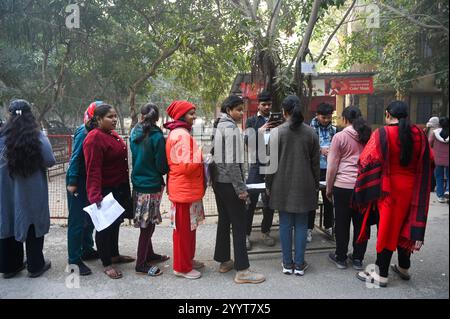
(384, 260)
(107, 242)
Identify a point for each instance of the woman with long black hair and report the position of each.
(342, 169)
(25, 154)
(394, 179)
(294, 186)
(106, 159)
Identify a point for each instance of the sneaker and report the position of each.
(339, 264)
(442, 200)
(267, 240)
(248, 277)
(300, 269)
(226, 266)
(84, 270)
(193, 274)
(446, 195)
(248, 243)
(309, 236)
(287, 269)
(197, 264)
(356, 263)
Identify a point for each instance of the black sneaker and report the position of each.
(300, 269)
(84, 270)
(357, 263)
(339, 264)
(91, 255)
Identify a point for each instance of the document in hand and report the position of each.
(260, 186)
(107, 214)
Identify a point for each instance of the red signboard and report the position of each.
(251, 90)
(342, 86)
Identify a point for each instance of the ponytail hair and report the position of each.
(100, 112)
(291, 105)
(399, 110)
(353, 115)
(443, 123)
(150, 115)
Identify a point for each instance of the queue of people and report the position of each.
(364, 173)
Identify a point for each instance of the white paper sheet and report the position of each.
(107, 214)
(257, 186)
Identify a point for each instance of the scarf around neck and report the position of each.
(177, 124)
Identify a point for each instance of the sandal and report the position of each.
(122, 259)
(112, 273)
(159, 258)
(154, 271)
(366, 277)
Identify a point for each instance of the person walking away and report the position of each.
(439, 142)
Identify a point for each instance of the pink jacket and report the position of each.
(440, 148)
(342, 161)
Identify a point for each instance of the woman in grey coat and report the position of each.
(293, 187)
(25, 153)
(231, 193)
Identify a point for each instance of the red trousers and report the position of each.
(183, 239)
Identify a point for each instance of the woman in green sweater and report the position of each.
(149, 165)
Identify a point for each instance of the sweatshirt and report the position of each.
(342, 165)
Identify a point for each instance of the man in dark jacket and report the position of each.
(259, 124)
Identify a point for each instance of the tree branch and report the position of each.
(409, 18)
(273, 20)
(335, 30)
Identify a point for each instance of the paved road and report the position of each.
(430, 270)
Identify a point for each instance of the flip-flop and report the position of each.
(154, 271)
(400, 273)
(123, 260)
(110, 275)
(159, 258)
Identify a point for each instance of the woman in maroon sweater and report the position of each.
(106, 159)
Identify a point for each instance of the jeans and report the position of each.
(298, 222)
(439, 173)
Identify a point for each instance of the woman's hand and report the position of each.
(243, 195)
(329, 195)
(418, 245)
(72, 189)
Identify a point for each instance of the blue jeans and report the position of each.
(299, 222)
(439, 173)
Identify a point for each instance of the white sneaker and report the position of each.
(309, 236)
(446, 195)
(442, 200)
